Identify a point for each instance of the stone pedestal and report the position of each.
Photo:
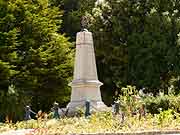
(85, 84)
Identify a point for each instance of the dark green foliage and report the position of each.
(142, 39)
(160, 103)
(156, 104)
(34, 57)
(131, 101)
(73, 11)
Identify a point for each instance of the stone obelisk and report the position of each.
(85, 84)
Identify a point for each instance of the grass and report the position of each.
(103, 122)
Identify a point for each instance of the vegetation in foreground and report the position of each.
(162, 113)
(100, 123)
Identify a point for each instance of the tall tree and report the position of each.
(33, 48)
(142, 37)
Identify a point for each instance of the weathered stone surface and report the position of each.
(85, 84)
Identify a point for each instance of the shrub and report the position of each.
(174, 102)
(155, 104)
(131, 100)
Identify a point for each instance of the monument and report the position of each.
(85, 84)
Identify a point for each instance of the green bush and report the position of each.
(131, 101)
(174, 102)
(165, 117)
(162, 102)
(156, 104)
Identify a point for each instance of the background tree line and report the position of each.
(136, 43)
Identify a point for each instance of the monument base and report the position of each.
(83, 90)
(74, 106)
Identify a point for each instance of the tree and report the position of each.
(73, 11)
(40, 57)
(142, 37)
